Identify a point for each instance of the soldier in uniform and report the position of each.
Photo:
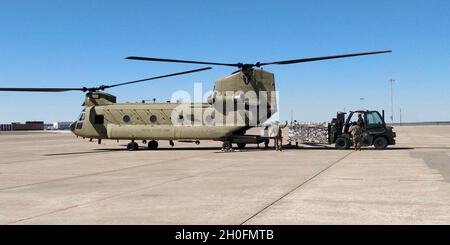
(360, 121)
(274, 134)
(279, 140)
(296, 132)
(356, 132)
(265, 134)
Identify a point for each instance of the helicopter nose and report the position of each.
(72, 126)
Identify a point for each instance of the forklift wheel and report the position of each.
(380, 143)
(342, 143)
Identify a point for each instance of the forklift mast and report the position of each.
(336, 127)
(341, 121)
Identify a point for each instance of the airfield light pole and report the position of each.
(392, 99)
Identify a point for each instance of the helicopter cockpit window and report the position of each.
(81, 117)
(126, 119)
(79, 124)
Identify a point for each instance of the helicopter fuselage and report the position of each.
(103, 118)
(140, 121)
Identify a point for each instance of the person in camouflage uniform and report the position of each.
(360, 121)
(279, 140)
(356, 132)
(274, 134)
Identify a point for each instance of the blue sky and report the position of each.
(83, 43)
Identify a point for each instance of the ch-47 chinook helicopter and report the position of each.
(103, 118)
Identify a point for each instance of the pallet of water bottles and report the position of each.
(316, 133)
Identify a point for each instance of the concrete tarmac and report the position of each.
(56, 178)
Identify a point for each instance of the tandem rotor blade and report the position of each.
(258, 64)
(154, 78)
(103, 87)
(42, 89)
(286, 62)
(180, 61)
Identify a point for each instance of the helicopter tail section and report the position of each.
(258, 89)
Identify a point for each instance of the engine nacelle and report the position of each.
(217, 98)
(99, 98)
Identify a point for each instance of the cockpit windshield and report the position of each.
(80, 120)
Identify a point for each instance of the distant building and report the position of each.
(5, 127)
(61, 125)
(35, 125)
(29, 125)
(48, 126)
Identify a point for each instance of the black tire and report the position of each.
(342, 143)
(241, 145)
(266, 143)
(153, 145)
(226, 146)
(380, 143)
(132, 146)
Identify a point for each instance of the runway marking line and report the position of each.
(296, 188)
(127, 192)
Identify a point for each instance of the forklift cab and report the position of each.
(375, 131)
(373, 125)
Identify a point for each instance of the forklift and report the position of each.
(375, 131)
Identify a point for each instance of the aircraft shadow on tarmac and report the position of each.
(83, 152)
(219, 149)
(433, 147)
(313, 146)
(107, 150)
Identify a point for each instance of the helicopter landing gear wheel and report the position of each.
(266, 143)
(226, 146)
(153, 145)
(241, 146)
(132, 146)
